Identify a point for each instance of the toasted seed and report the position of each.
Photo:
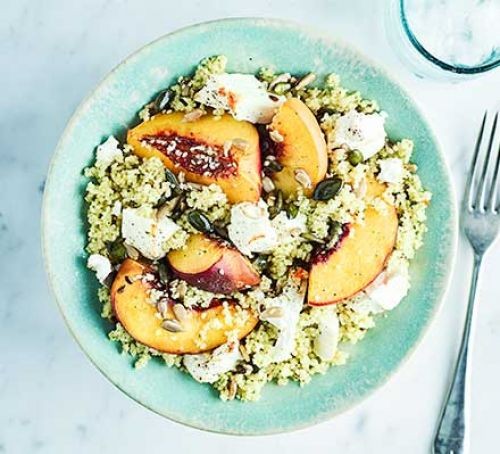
(355, 157)
(276, 136)
(244, 353)
(267, 184)
(303, 178)
(179, 209)
(163, 272)
(200, 222)
(327, 189)
(273, 165)
(306, 80)
(292, 210)
(194, 115)
(168, 207)
(280, 78)
(162, 100)
(172, 325)
(278, 205)
(221, 231)
(232, 389)
(310, 237)
(260, 261)
(117, 251)
(162, 307)
(227, 147)
(282, 88)
(180, 312)
(273, 312)
(132, 252)
(241, 144)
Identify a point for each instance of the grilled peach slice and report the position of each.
(202, 329)
(223, 151)
(358, 257)
(212, 265)
(301, 149)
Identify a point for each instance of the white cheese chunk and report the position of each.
(100, 265)
(289, 229)
(283, 312)
(147, 232)
(361, 132)
(107, 152)
(208, 367)
(391, 171)
(326, 343)
(243, 95)
(390, 287)
(250, 228)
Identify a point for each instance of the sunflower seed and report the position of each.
(276, 136)
(168, 207)
(232, 389)
(267, 184)
(285, 77)
(194, 115)
(227, 147)
(241, 144)
(244, 353)
(132, 252)
(172, 326)
(314, 239)
(272, 312)
(180, 312)
(162, 307)
(306, 80)
(303, 178)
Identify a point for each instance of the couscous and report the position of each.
(251, 226)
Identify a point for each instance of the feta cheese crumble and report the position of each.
(208, 367)
(389, 288)
(100, 265)
(326, 343)
(147, 231)
(250, 229)
(283, 312)
(359, 131)
(243, 95)
(391, 171)
(107, 152)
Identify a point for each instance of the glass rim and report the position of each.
(430, 57)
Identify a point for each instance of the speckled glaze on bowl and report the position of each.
(249, 44)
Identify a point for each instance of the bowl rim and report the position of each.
(329, 40)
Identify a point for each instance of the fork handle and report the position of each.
(452, 436)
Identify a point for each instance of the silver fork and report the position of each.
(481, 222)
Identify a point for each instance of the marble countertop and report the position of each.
(52, 400)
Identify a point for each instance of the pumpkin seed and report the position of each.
(200, 222)
(162, 100)
(303, 178)
(292, 210)
(267, 184)
(327, 189)
(117, 251)
(355, 157)
(273, 165)
(163, 272)
(260, 261)
(179, 209)
(180, 312)
(173, 182)
(221, 231)
(172, 326)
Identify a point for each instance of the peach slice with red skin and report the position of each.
(302, 148)
(202, 329)
(358, 257)
(212, 265)
(208, 150)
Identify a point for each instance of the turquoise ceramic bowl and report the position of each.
(249, 44)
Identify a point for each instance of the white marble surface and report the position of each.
(52, 400)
